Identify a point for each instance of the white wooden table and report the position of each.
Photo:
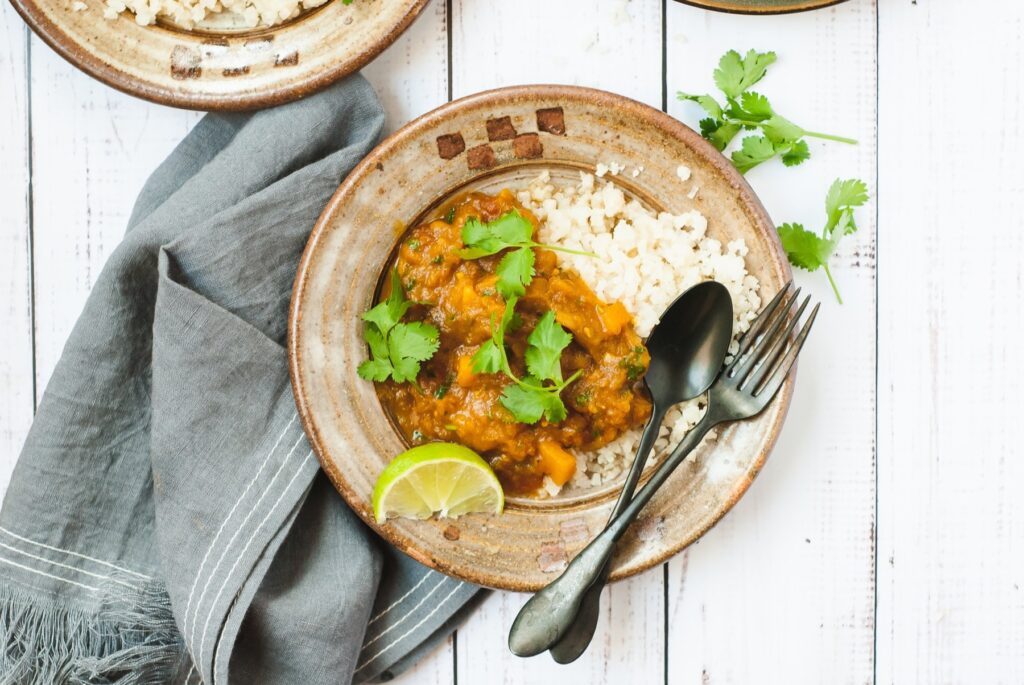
(884, 540)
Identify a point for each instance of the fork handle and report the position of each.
(617, 527)
(548, 615)
(581, 632)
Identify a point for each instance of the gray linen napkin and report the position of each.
(167, 521)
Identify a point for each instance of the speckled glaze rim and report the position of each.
(74, 53)
(746, 199)
(745, 8)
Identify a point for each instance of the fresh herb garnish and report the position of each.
(414, 244)
(510, 230)
(443, 389)
(746, 110)
(807, 250)
(396, 349)
(633, 363)
(449, 216)
(537, 395)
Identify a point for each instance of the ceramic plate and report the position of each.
(218, 66)
(454, 149)
(761, 6)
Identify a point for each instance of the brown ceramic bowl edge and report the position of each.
(720, 163)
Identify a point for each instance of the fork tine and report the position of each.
(775, 382)
(742, 368)
(778, 346)
(759, 322)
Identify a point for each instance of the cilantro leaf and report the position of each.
(796, 154)
(753, 151)
(756, 106)
(487, 359)
(842, 195)
(515, 272)
(723, 135)
(526, 404)
(554, 407)
(735, 74)
(780, 129)
(377, 342)
(408, 345)
(396, 349)
(389, 312)
(376, 370)
(511, 229)
(544, 354)
(805, 250)
(809, 251)
(750, 111)
(417, 341)
(709, 104)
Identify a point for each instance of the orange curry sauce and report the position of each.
(451, 403)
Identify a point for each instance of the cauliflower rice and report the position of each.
(188, 13)
(644, 260)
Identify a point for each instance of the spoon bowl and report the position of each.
(689, 344)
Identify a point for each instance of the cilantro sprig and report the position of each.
(510, 230)
(396, 349)
(538, 394)
(810, 251)
(746, 110)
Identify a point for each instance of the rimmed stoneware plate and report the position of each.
(499, 139)
(761, 6)
(218, 65)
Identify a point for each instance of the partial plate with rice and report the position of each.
(654, 208)
(219, 54)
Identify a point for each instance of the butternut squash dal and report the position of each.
(532, 354)
(453, 401)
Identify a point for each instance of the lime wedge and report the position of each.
(437, 478)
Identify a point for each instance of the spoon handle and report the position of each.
(547, 616)
(581, 632)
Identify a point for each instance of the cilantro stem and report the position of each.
(556, 248)
(832, 282)
(829, 136)
(812, 134)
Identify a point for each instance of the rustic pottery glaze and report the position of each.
(761, 6)
(496, 139)
(217, 66)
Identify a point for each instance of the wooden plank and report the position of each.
(17, 399)
(436, 668)
(614, 45)
(951, 297)
(782, 589)
(93, 148)
(538, 41)
(411, 76)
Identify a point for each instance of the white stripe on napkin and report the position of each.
(411, 612)
(75, 554)
(213, 606)
(223, 554)
(73, 568)
(49, 575)
(398, 601)
(216, 537)
(410, 631)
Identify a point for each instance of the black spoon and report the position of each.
(687, 348)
